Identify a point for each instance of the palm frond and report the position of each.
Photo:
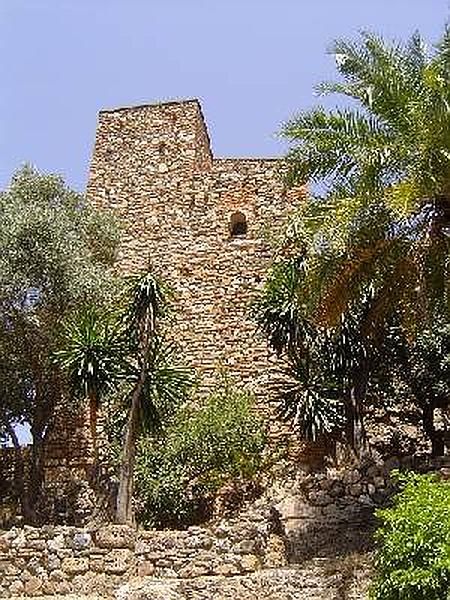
(150, 296)
(167, 384)
(384, 167)
(307, 397)
(92, 351)
(338, 147)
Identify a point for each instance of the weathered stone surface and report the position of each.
(315, 581)
(115, 536)
(74, 565)
(153, 166)
(250, 563)
(275, 555)
(82, 540)
(146, 568)
(33, 586)
(251, 550)
(119, 560)
(17, 588)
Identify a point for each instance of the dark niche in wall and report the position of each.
(238, 224)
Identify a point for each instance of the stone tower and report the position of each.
(201, 221)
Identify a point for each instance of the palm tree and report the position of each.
(155, 382)
(101, 349)
(382, 224)
(92, 354)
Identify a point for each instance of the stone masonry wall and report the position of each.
(242, 558)
(309, 534)
(152, 166)
(68, 448)
(63, 560)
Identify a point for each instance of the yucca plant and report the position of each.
(322, 381)
(155, 381)
(93, 353)
(103, 350)
(278, 309)
(308, 398)
(382, 223)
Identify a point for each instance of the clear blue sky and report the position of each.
(251, 62)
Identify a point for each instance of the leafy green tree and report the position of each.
(199, 449)
(382, 224)
(54, 251)
(413, 558)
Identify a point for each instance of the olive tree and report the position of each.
(54, 250)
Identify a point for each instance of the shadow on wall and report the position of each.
(329, 538)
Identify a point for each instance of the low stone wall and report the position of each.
(331, 513)
(64, 560)
(319, 579)
(230, 561)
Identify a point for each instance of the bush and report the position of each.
(413, 561)
(179, 472)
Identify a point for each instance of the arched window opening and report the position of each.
(238, 224)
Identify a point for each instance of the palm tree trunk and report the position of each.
(124, 509)
(356, 433)
(93, 424)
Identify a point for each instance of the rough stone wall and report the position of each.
(68, 448)
(64, 560)
(152, 165)
(307, 536)
(345, 579)
(8, 499)
(240, 559)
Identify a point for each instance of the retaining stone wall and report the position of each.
(343, 579)
(64, 560)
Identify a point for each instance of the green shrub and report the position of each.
(179, 471)
(413, 561)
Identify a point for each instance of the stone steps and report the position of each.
(320, 579)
